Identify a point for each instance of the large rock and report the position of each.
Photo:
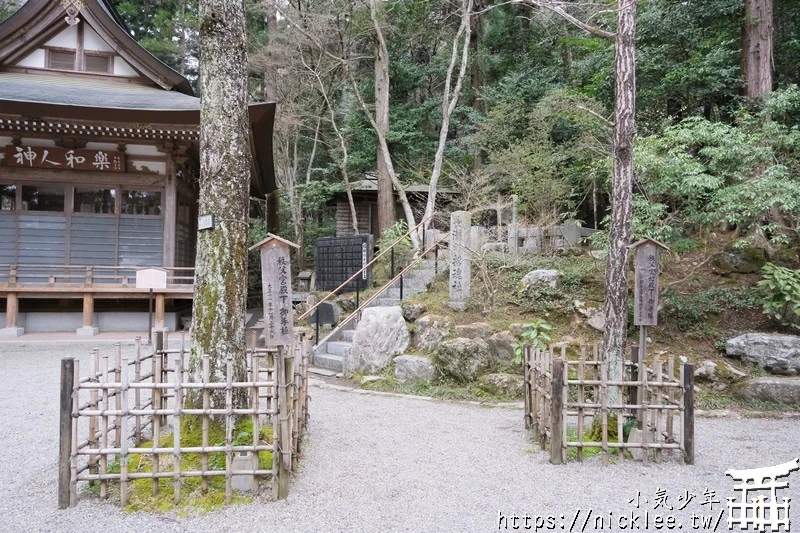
(546, 277)
(413, 368)
(501, 349)
(777, 354)
(462, 359)
(430, 330)
(476, 330)
(381, 335)
(706, 371)
(744, 261)
(770, 389)
(505, 385)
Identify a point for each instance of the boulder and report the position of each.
(413, 368)
(595, 317)
(348, 303)
(412, 311)
(462, 359)
(546, 277)
(501, 349)
(770, 389)
(706, 371)
(742, 261)
(504, 385)
(381, 335)
(476, 330)
(777, 354)
(430, 330)
(784, 257)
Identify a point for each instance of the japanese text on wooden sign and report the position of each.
(63, 158)
(646, 285)
(277, 290)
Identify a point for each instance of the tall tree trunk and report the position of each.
(757, 59)
(220, 292)
(386, 212)
(616, 299)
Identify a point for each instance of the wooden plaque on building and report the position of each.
(54, 157)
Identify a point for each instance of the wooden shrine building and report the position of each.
(98, 172)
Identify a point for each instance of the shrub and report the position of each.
(780, 291)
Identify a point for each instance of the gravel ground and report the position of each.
(378, 463)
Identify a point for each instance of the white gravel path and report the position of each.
(377, 463)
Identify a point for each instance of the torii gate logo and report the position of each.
(755, 510)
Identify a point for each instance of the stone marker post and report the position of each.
(459, 259)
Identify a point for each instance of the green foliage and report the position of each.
(691, 313)
(534, 333)
(780, 289)
(403, 252)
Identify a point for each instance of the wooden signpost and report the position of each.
(645, 306)
(153, 278)
(276, 286)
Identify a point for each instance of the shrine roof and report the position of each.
(89, 92)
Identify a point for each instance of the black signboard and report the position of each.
(338, 258)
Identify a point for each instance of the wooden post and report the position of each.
(526, 384)
(12, 308)
(65, 432)
(283, 366)
(557, 413)
(160, 305)
(687, 378)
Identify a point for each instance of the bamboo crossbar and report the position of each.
(609, 383)
(626, 445)
(171, 411)
(183, 385)
(187, 449)
(168, 475)
(623, 406)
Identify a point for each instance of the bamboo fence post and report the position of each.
(104, 422)
(671, 401)
(557, 413)
(158, 348)
(228, 428)
(644, 392)
(93, 404)
(620, 412)
(137, 393)
(526, 385)
(76, 400)
(581, 400)
(123, 444)
(65, 430)
(687, 379)
(659, 364)
(156, 401)
(206, 404)
(253, 362)
(176, 429)
(604, 410)
(117, 395)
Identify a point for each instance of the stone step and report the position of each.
(339, 348)
(329, 361)
(385, 302)
(347, 335)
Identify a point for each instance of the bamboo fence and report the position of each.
(568, 401)
(125, 406)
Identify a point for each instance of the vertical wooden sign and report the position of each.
(460, 260)
(276, 281)
(645, 310)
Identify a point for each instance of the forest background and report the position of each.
(714, 149)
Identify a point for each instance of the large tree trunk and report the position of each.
(386, 212)
(616, 299)
(220, 293)
(757, 48)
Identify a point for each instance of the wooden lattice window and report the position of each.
(97, 63)
(61, 60)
